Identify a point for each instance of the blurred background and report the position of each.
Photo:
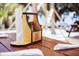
(66, 14)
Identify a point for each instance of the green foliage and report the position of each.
(6, 8)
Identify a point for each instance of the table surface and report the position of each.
(46, 46)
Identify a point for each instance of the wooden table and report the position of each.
(46, 46)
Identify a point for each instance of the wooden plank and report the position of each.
(46, 46)
(2, 48)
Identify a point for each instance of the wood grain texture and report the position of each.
(46, 46)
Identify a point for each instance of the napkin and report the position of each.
(3, 35)
(65, 46)
(28, 52)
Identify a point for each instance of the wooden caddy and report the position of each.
(32, 31)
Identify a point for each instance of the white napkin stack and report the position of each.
(3, 35)
(65, 46)
(29, 52)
